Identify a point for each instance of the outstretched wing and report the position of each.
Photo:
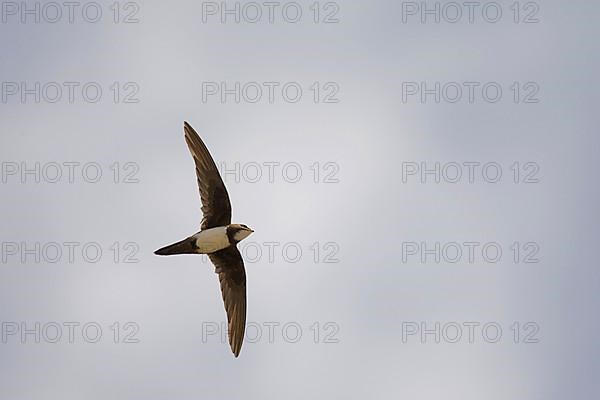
(216, 207)
(230, 267)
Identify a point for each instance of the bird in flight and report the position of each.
(218, 238)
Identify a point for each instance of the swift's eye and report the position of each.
(244, 226)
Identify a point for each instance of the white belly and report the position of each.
(211, 240)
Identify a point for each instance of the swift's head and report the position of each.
(238, 232)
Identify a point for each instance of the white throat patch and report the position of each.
(241, 235)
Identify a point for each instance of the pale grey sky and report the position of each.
(326, 260)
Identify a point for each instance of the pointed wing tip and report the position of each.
(190, 134)
(236, 352)
(236, 345)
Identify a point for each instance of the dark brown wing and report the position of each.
(215, 200)
(230, 267)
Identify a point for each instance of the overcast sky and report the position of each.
(423, 194)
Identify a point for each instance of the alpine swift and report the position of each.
(218, 238)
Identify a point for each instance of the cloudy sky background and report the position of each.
(368, 213)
